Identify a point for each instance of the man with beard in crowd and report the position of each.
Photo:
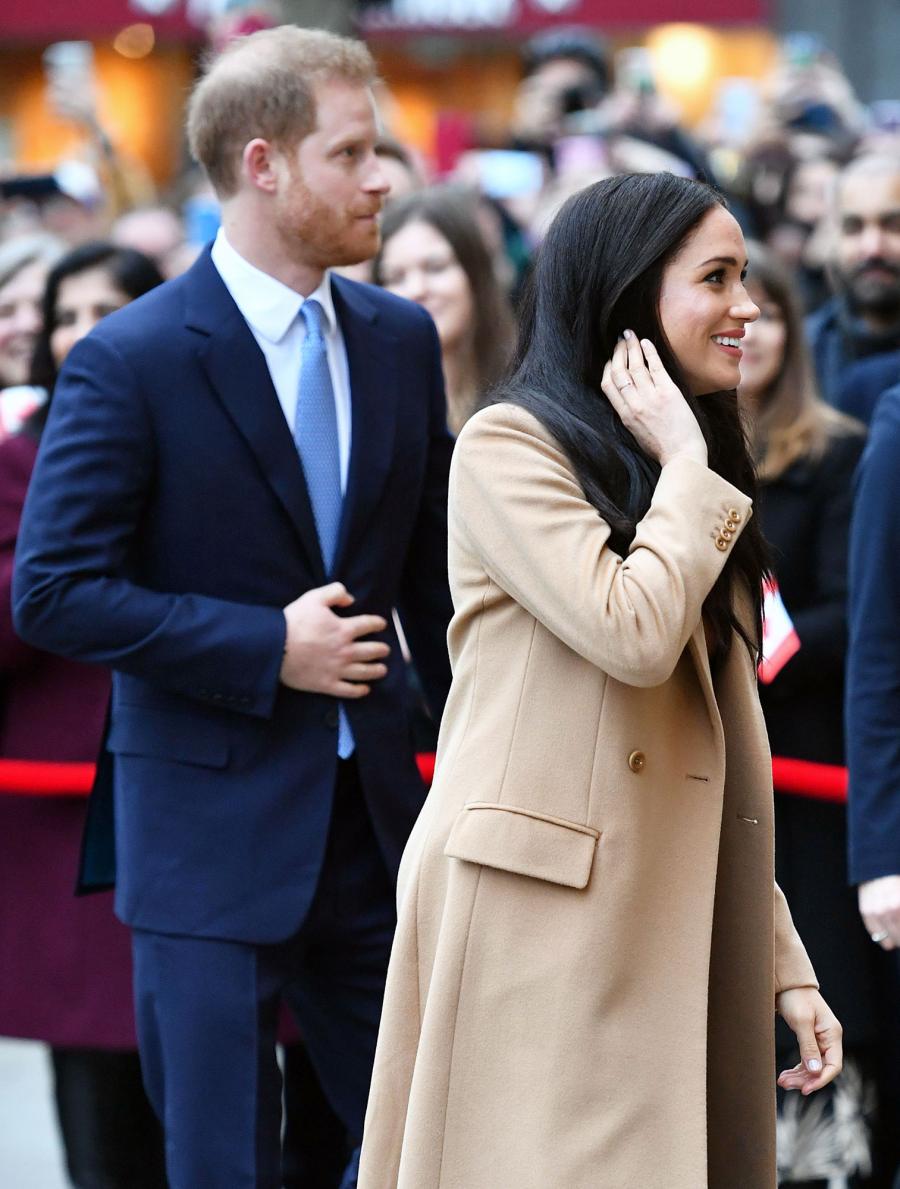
(855, 337)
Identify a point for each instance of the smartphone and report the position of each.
(509, 173)
(70, 76)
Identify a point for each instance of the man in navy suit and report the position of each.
(242, 476)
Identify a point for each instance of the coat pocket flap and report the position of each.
(158, 734)
(524, 842)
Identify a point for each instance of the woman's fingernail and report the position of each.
(814, 1065)
(627, 334)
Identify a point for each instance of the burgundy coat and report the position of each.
(65, 962)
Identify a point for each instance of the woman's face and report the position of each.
(764, 347)
(20, 321)
(82, 300)
(419, 264)
(703, 305)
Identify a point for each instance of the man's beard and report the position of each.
(329, 237)
(868, 296)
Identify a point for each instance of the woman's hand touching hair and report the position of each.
(649, 404)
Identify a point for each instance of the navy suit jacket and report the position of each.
(873, 671)
(167, 524)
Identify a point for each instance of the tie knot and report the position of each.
(314, 317)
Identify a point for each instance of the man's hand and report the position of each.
(819, 1037)
(326, 654)
(879, 906)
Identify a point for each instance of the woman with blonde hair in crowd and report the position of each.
(433, 252)
(806, 453)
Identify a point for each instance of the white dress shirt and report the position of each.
(272, 311)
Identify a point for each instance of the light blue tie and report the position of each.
(316, 436)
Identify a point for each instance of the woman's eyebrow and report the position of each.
(721, 260)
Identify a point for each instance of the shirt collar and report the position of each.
(269, 306)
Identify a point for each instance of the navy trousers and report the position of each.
(207, 1015)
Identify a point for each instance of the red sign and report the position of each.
(41, 21)
(531, 16)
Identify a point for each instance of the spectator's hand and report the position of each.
(325, 653)
(818, 1035)
(650, 405)
(879, 906)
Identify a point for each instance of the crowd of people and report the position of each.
(152, 545)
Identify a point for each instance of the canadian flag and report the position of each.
(780, 639)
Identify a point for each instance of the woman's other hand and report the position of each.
(819, 1038)
(650, 405)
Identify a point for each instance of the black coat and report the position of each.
(805, 516)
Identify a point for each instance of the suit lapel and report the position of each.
(374, 395)
(240, 378)
(700, 655)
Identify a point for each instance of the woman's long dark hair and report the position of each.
(599, 272)
(129, 270)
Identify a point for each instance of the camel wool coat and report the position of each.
(582, 988)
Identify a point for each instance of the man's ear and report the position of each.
(260, 164)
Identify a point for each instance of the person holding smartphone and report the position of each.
(591, 945)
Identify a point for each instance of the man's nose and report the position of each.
(871, 242)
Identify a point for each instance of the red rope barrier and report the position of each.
(38, 778)
(42, 778)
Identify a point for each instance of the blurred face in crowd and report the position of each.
(83, 299)
(764, 345)
(419, 264)
(810, 193)
(704, 307)
(868, 250)
(541, 97)
(330, 187)
(20, 321)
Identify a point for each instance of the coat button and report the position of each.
(727, 534)
(331, 718)
(636, 761)
(734, 514)
(730, 524)
(721, 544)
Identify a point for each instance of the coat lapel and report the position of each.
(240, 378)
(374, 394)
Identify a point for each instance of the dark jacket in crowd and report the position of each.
(873, 673)
(805, 515)
(839, 342)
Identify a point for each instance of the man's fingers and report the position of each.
(372, 672)
(364, 625)
(335, 594)
(349, 690)
(370, 650)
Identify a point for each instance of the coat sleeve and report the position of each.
(873, 669)
(792, 965)
(515, 498)
(75, 590)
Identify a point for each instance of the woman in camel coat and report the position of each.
(591, 947)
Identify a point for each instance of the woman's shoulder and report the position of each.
(504, 419)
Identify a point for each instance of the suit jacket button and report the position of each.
(721, 544)
(636, 761)
(331, 718)
(734, 514)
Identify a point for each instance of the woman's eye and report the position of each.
(716, 277)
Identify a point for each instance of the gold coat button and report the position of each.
(734, 514)
(727, 534)
(730, 524)
(636, 761)
(721, 544)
